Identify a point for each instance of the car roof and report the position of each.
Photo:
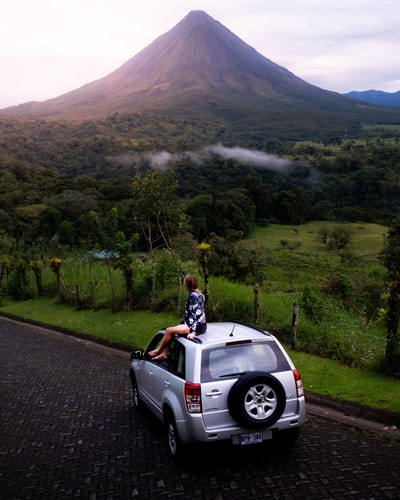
(231, 331)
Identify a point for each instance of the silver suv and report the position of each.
(234, 382)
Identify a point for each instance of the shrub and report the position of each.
(18, 280)
(313, 304)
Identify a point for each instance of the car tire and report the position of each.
(256, 400)
(135, 393)
(175, 446)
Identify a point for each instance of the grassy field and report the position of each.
(297, 257)
(321, 376)
(367, 239)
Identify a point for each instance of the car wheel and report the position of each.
(256, 400)
(135, 392)
(175, 445)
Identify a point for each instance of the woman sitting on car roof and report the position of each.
(193, 322)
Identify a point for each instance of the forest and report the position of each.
(53, 176)
(109, 190)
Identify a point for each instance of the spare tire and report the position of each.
(256, 400)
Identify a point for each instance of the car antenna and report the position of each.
(231, 334)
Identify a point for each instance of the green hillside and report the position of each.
(366, 243)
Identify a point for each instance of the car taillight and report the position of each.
(299, 383)
(193, 397)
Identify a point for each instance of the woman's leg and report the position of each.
(162, 350)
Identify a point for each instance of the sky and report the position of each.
(50, 47)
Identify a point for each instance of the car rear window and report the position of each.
(230, 361)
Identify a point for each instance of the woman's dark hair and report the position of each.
(191, 282)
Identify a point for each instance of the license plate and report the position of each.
(251, 438)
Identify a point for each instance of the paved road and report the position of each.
(69, 430)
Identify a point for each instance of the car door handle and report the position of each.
(167, 383)
(150, 373)
(214, 393)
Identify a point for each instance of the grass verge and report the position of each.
(134, 329)
(129, 329)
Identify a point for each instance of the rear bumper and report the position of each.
(192, 429)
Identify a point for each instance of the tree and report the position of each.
(323, 235)
(49, 222)
(203, 251)
(201, 213)
(233, 210)
(66, 233)
(390, 257)
(337, 237)
(340, 237)
(121, 247)
(37, 269)
(292, 206)
(160, 215)
(237, 260)
(17, 285)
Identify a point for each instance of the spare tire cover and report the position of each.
(256, 400)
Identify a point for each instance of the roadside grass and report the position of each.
(130, 329)
(134, 329)
(330, 378)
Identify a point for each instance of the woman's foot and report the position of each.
(160, 357)
(156, 352)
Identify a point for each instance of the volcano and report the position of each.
(200, 70)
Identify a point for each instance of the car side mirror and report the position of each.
(138, 355)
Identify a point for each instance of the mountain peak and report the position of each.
(197, 13)
(198, 67)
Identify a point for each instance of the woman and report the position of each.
(194, 319)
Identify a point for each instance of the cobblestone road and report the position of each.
(69, 430)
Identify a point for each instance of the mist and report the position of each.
(251, 157)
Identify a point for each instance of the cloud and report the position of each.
(250, 157)
(161, 159)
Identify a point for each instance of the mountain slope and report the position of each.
(377, 97)
(201, 71)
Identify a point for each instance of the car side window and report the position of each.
(176, 359)
(156, 341)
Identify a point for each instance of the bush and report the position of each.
(18, 281)
(313, 304)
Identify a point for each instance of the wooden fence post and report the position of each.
(295, 318)
(256, 313)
